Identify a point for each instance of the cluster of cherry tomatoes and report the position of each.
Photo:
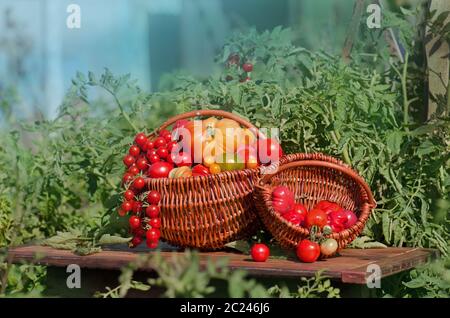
(234, 60)
(141, 204)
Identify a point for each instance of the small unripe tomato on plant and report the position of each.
(134, 151)
(134, 221)
(128, 160)
(152, 211)
(260, 252)
(247, 67)
(308, 251)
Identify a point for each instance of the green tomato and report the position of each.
(229, 162)
(328, 247)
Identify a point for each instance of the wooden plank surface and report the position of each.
(349, 267)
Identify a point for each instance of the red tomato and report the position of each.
(128, 195)
(160, 169)
(308, 251)
(127, 177)
(200, 170)
(316, 217)
(152, 244)
(159, 142)
(142, 163)
(154, 158)
(282, 199)
(135, 241)
(134, 170)
(162, 152)
(164, 132)
(137, 207)
(153, 235)
(134, 221)
(152, 211)
(140, 139)
(121, 212)
(351, 218)
(153, 197)
(148, 145)
(127, 205)
(128, 160)
(260, 252)
(134, 151)
(323, 205)
(139, 183)
(168, 137)
(301, 211)
(269, 150)
(155, 223)
(293, 217)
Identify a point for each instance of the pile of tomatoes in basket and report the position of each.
(191, 148)
(326, 217)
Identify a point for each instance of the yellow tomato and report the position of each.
(214, 168)
(208, 161)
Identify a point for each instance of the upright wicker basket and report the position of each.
(312, 178)
(207, 211)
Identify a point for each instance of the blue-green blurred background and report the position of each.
(39, 54)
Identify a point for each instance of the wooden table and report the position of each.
(351, 267)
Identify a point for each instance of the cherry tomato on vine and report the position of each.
(127, 205)
(127, 177)
(308, 251)
(162, 152)
(134, 151)
(134, 221)
(155, 223)
(148, 145)
(137, 207)
(121, 212)
(164, 132)
(135, 241)
(128, 195)
(154, 159)
(140, 139)
(150, 152)
(153, 235)
(134, 170)
(152, 211)
(128, 160)
(168, 137)
(260, 252)
(139, 183)
(159, 142)
(152, 244)
(142, 164)
(153, 197)
(160, 169)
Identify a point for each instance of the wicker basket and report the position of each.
(312, 178)
(207, 212)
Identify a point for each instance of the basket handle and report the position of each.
(211, 112)
(265, 178)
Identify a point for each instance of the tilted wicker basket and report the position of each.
(312, 178)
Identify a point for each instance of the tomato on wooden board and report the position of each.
(316, 217)
(308, 251)
(328, 247)
(260, 252)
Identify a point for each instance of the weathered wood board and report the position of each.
(349, 267)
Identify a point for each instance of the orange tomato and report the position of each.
(214, 168)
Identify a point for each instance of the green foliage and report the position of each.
(184, 276)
